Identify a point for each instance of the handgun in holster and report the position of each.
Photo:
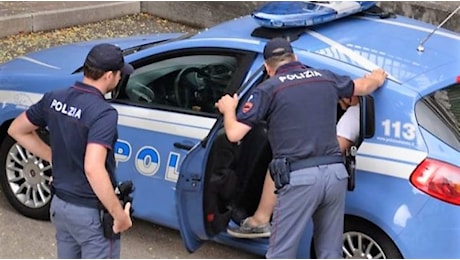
(280, 172)
(350, 165)
(123, 191)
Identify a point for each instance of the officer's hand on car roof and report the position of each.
(378, 74)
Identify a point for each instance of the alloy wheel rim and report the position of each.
(357, 245)
(28, 177)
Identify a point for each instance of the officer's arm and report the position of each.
(99, 179)
(368, 84)
(23, 131)
(234, 130)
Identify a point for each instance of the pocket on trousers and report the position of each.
(341, 173)
(305, 179)
(83, 217)
(95, 221)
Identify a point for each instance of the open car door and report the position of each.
(210, 162)
(189, 198)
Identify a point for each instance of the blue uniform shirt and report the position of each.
(76, 116)
(300, 106)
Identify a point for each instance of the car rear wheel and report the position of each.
(25, 180)
(362, 240)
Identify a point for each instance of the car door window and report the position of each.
(191, 82)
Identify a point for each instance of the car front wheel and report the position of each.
(25, 180)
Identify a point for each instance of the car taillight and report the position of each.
(438, 179)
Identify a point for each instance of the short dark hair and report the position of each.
(92, 73)
(275, 61)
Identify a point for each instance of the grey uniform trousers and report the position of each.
(316, 193)
(79, 232)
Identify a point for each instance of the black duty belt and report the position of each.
(314, 161)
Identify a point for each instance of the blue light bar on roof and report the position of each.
(298, 14)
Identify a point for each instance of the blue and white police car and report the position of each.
(187, 176)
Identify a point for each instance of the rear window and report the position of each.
(439, 113)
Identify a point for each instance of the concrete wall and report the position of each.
(199, 13)
(206, 14)
(43, 16)
(430, 12)
(46, 20)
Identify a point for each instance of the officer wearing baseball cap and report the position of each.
(108, 57)
(277, 47)
(83, 132)
(299, 104)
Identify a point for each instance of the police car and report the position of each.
(187, 176)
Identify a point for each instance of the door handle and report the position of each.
(183, 146)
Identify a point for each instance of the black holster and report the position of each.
(123, 191)
(280, 172)
(107, 225)
(350, 165)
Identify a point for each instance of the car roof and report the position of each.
(362, 41)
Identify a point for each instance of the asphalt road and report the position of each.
(22, 237)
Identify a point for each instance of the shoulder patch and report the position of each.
(247, 107)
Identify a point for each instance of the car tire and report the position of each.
(374, 242)
(25, 179)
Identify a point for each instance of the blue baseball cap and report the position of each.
(277, 47)
(108, 57)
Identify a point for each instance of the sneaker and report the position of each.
(247, 231)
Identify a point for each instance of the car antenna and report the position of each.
(420, 47)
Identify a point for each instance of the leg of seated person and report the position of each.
(266, 204)
(258, 225)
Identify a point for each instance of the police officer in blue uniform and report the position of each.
(83, 131)
(299, 104)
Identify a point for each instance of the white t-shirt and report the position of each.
(348, 125)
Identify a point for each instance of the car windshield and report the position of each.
(149, 45)
(439, 113)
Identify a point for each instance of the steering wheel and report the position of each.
(182, 93)
(140, 92)
(220, 73)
